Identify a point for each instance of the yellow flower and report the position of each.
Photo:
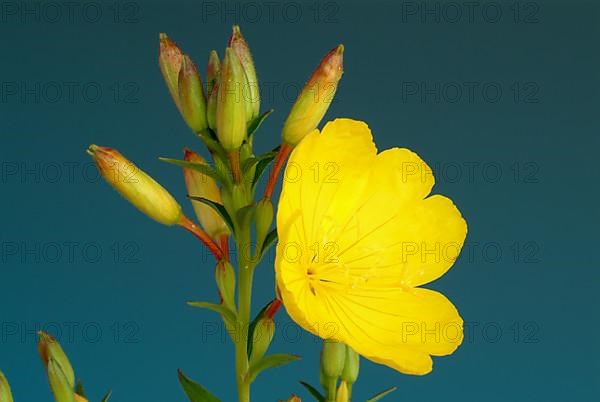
(358, 235)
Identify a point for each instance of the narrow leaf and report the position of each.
(107, 396)
(219, 208)
(194, 391)
(262, 165)
(255, 124)
(269, 241)
(227, 314)
(382, 394)
(200, 167)
(253, 326)
(268, 362)
(313, 391)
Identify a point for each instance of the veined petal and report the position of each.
(352, 250)
(325, 165)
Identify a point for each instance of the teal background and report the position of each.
(522, 166)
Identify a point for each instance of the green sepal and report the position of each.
(228, 315)
(107, 396)
(194, 391)
(219, 208)
(268, 362)
(313, 391)
(255, 124)
(382, 394)
(209, 138)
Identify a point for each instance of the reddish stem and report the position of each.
(273, 308)
(282, 156)
(224, 239)
(203, 236)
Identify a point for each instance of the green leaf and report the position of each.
(107, 396)
(381, 394)
(255, 124)
(262, 165)
(194, 391)
(250, 162)
(199, 167)
(217, 207)
(227, 314)
(268, 362)
(313, 391)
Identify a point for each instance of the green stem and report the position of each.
(245, 273)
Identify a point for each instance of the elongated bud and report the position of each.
(262, 337)
(5, 394)
(342, 393)
(225, 278)
(351, 366)
(50, 349)
(263, 331)
(251, 93)
(264, 218)
(211, 107)
(315, 98)
(231, 109)
(191, 96)
(59, 384)
(201, 185)
(136, 186)
(333, 357)
(170, 59)
(213, 70)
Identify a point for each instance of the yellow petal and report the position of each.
(398, 327)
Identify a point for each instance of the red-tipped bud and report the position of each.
(315, 98)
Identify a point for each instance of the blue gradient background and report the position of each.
(541, 292)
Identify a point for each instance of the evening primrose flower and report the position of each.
(358, 235)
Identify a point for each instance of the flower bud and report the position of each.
(212, 71)
(50, 349)
(262, 337)
(170, 59)
(225, 278)
(231, 108)
(342, 393)
(264, 218)
(211, 107)
(199, 184)
(251, 92)
(333, 357)
(79, 398)
(351, 366)
(5, 394)
(191, 96)
(59, 384)
(294, 398)
(315, 98)
(136, 186)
